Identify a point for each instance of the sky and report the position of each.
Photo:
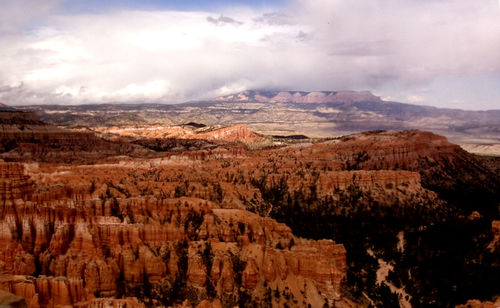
(443, 53)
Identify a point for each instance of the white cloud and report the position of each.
(172, 56)
(14, 14)
(415, 99)
(151, 56)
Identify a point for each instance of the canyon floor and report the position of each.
(196, 215)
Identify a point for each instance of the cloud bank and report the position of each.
(406, 49)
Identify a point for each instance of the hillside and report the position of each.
(315, 114)
(23, 136)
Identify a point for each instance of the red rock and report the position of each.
(235, 133)
(130, 302)
(474, 303)
(494, 245)
(10, 300)
(250, 275)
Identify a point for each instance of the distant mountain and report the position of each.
(301, 97)
(4, 107)
(315, 114)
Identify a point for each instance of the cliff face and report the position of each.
(235, 133)
(10, 300)
(24, 137)
(14, 183)
(69, 250)
(9, 116)
(457, 176)
(159, 133)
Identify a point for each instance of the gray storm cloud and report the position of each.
(171, 56)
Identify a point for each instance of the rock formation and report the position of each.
(172, 227)
(235, 133)
(24, 137)
(14, 183)
(69, 250)
(10, 300)
(495, 243)
(474, 303)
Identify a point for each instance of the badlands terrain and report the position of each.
(198, 205)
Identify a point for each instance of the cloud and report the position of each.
(128, 56)
(415, 99)
(222, 20)
(275, 18)
(15, 14)
(394, 47)
(408, 39)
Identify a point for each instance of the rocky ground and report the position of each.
(222, 216)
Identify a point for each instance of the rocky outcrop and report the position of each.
(44, 291)
(474, 303)
(236, 133)
(186, 137)
(183, 225)
(24, 137)
(11, 116)
(370, 180)
(111, 302)
(271, 253)
(203, 304)
(494, 245)
(10, 300)
(390, 150)
(14, 183)
(68, 250)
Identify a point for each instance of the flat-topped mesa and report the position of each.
(14, 183)
(301, 97)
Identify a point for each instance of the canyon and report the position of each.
(67, 248)
(219, 216)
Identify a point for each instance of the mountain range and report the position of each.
(314, 114)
